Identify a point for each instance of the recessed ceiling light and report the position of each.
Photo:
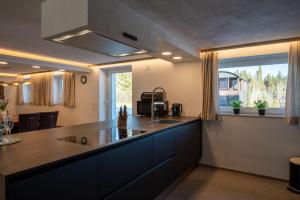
(4, 84)
(36, 66)
(3, 63)
(177, 57)
(140, 52)
(62, 70)
(166, 53)
(65, 37)
(123, 54)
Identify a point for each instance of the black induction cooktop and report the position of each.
(101, 137)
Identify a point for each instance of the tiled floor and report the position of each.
(214, 184)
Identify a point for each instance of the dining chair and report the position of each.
(29, 122)
(48, 120)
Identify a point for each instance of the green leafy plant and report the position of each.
(260, 104)
(236, 104)
(3, 104)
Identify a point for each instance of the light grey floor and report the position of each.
(214, 184)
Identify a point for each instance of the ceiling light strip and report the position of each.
(19, 54)
(251, 44)
(8, 74)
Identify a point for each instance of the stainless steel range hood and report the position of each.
(93, 25)
(109, 27)
(89, 40)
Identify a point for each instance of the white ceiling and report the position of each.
(220, 23)
(205, 23)
(20, 68)
(20, 29)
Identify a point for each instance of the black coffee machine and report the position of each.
(176, 109)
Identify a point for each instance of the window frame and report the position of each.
(30, 91)
(227, 83)
(252, 111)
(228, 110)
(62, 89)
(230, 82)
(112, 87)
(30, 94)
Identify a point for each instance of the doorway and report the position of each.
(120, 91)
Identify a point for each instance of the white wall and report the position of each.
(181, 82)
(251, 144)
(103, 95)
(259, 145)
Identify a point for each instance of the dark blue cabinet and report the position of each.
(139, 169)
(196, 144)
(120, 165)
(188, 146)
(163, 146)
(139, 188)
(174, 152)
(163, 176)
(76, 181)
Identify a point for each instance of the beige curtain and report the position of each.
(69, 89)
(19, 96)
(210, 75)
(42, 89)
(292, 110)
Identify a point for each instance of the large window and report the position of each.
(252, 78)
(26, 93)
(57, 89)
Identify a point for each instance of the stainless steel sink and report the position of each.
(165, 121)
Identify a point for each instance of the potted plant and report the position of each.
(236, 105)
(261, 106)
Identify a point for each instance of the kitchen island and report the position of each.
(99, 161)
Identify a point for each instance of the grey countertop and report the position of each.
(39, 148)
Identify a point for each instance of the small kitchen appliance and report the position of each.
(144, 105)
(176, 109)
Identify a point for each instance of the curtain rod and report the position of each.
(251, 44)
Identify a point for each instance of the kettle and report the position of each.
(176, 109)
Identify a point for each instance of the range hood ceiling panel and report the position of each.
(107, 27)
(94, 42)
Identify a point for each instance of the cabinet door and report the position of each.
(188, 146)
(196, 129)
(74, 181)
(139, 189)
(163, 176)
(121, 165)
(163, 146)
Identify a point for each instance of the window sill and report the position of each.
(252, 115)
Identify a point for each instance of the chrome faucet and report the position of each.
(154, 104)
